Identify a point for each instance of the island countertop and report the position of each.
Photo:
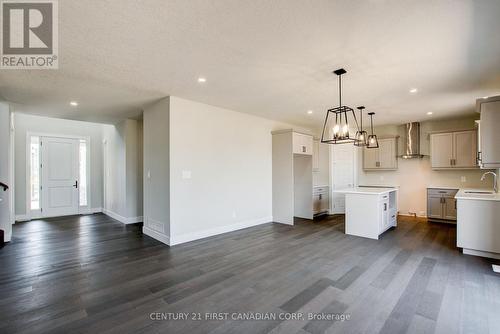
(365, 190)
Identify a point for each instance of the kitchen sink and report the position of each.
(480, 192)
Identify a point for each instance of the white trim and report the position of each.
(89, 211)
(481, 253)
(156, 235)
(22, 218)
(124, 220)
(218, 230)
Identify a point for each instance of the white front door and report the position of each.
(60, 163)
(343, 173)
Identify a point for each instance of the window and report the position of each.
(35, 172)
(83, 173)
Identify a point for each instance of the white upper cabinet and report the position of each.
(302, 144)
(454, 149)
(465, 149)
(442, 150)
(382, 158)
(489, 132)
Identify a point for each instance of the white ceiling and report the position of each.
(269, 58)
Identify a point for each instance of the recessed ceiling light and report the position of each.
(413, 90)
(74, 103)
(429, 113)
(202, 80)
(309, 112)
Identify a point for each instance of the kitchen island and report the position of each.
(369, 211)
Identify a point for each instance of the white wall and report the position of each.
(415, 175)
(6, 215)
(28, 123)
(157, 171)
(123, 160)
(229, 156)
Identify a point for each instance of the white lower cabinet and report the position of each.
(321, 200)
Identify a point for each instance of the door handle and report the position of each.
(385, 206)
(76, 184)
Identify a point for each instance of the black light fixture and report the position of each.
(336, 127)
(372, 139)
(361, 135)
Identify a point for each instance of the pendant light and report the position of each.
(336, 127)
(361, 135)
(372, 139)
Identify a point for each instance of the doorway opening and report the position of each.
(58, 174)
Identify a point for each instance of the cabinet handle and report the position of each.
(303, 149)
(455, 204)
(451, 162)
(320, 196)
(385, 206)
(479, 158)
(377, 164)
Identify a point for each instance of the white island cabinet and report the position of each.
(369, 211)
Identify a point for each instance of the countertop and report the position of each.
(366, 191)
(462, 194)
(447, 188)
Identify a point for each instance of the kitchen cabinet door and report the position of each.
(324, 202)
(465, 149)
(442, 150)
(387, 153)
(435, 207)
(490, 134)
(302, 144)
(450, 209)
(316, 204)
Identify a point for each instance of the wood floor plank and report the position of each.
(92, 274)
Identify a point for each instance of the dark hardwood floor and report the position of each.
(91, 274)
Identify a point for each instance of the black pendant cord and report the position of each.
(340, 90)
(371, 122)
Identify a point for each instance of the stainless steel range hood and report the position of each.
(412, 141)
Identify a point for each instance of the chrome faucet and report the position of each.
(495, 184)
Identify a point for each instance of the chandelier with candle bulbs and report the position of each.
(336, 128)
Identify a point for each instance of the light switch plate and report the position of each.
(186, 174)
(463, 179)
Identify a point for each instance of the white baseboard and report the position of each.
(90, 211)
(176, 240)
(124, 220)
(481, 253)
(156, 235)
(22, 218)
